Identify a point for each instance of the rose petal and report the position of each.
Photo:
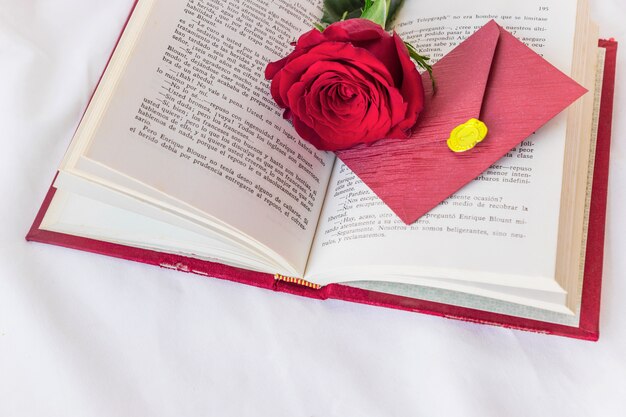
(307, 133)
(353, 83)
(273, 67)
(310, 39)
(354, 30)
(411, 89)
(275, 90)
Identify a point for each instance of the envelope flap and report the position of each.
(462, 77)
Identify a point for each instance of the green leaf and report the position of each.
(334, 10)
(422, 62)
(338, 10)
(393, 7)
(377, 12)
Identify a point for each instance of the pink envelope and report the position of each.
(491, 76)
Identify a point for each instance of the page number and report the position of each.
(544, 9)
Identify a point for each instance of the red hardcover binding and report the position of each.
(590, 310)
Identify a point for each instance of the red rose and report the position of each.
(353, 83)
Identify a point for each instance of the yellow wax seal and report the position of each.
(467, 136)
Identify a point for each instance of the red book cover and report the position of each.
(590, 308)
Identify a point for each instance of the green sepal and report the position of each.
(338, 10)
(422, 62)
(319, 26)
(376, 11)
(393, 7)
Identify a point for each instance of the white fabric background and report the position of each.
(86, 335)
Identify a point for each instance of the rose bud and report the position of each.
(352, 84)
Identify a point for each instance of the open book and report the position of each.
(183, 152)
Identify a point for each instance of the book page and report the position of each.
(501, 228)
(473, 300)
(192, 119)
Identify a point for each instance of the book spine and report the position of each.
(297, 281)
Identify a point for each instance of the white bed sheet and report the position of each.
(86, 335)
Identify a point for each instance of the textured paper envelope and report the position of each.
(492, 76)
